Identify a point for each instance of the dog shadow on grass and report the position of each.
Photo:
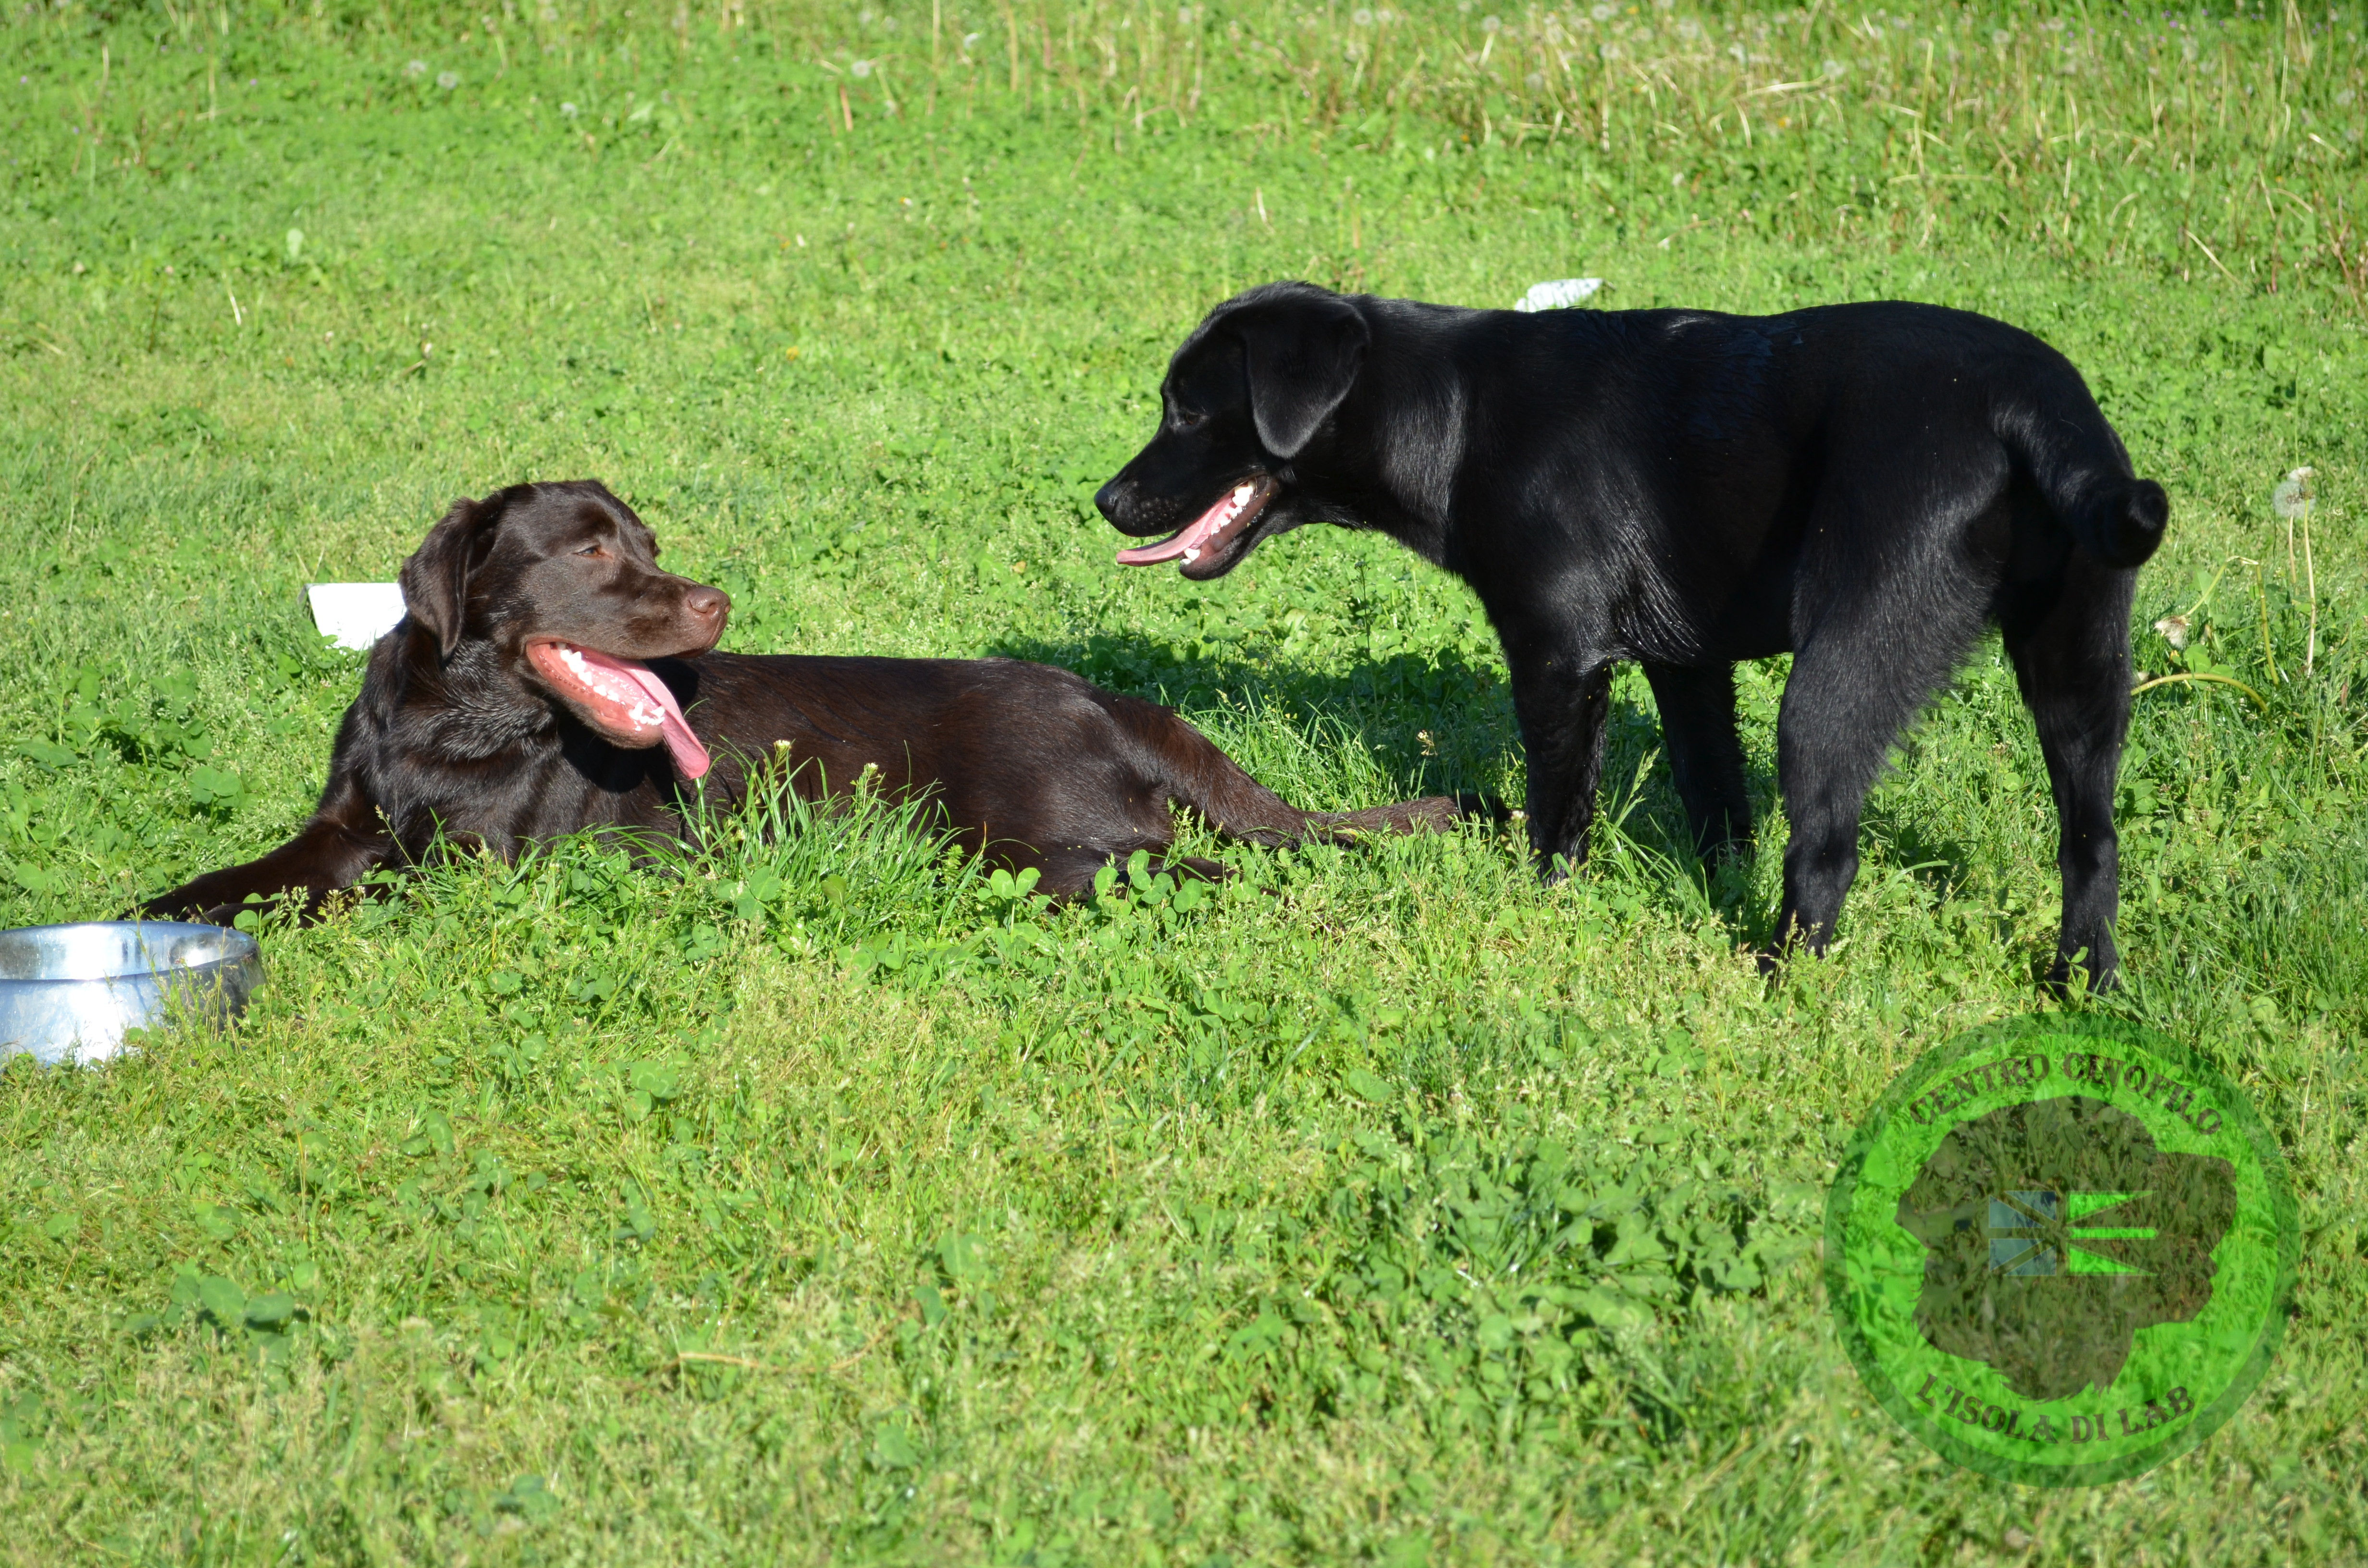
(1421, 722)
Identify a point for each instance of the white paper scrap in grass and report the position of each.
(1557, 295)
(355, 614)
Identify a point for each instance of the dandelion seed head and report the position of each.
(448, 80)
(2292, 498)
(416, 68)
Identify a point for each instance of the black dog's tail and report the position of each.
(2078, 464)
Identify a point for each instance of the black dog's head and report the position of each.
(557, 586)
(1244, 396)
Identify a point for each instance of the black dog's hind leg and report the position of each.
(2073, 664)
(1856, 683)
(1706, 755)
(1561, 703)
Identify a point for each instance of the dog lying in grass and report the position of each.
(548, 678)
(1863, 486)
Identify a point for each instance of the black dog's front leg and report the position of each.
(1561, 702)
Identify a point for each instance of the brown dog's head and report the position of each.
(560, 583)
(1244, 396)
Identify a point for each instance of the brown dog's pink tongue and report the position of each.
(690, 757)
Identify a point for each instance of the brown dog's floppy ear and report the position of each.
(436, 578)
(1303, 352)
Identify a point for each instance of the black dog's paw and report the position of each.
(2071, 977)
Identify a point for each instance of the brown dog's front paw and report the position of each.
(170, 906)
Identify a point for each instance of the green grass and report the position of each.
(816, 1200)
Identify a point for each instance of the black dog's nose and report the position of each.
(1106, 500)
(707, 604)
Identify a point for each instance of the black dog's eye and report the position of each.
(595, 547)
(1187, 417)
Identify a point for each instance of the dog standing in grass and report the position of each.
(1863, 486)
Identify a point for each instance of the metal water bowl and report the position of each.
(67, 993)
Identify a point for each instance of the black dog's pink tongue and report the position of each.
(1188, 541)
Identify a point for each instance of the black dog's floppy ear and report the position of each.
(436, 578)
(1303, 352)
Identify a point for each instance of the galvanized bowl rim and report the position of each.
(237, 947)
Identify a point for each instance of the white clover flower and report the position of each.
(569, 112)
(416, 68)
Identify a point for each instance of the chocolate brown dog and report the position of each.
(549, 678)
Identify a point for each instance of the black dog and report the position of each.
(1866, 486)
(549, 678)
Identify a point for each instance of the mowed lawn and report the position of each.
(816, 1198)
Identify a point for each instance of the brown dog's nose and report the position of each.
(707, 604)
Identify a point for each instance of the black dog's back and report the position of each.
(1725, 428)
